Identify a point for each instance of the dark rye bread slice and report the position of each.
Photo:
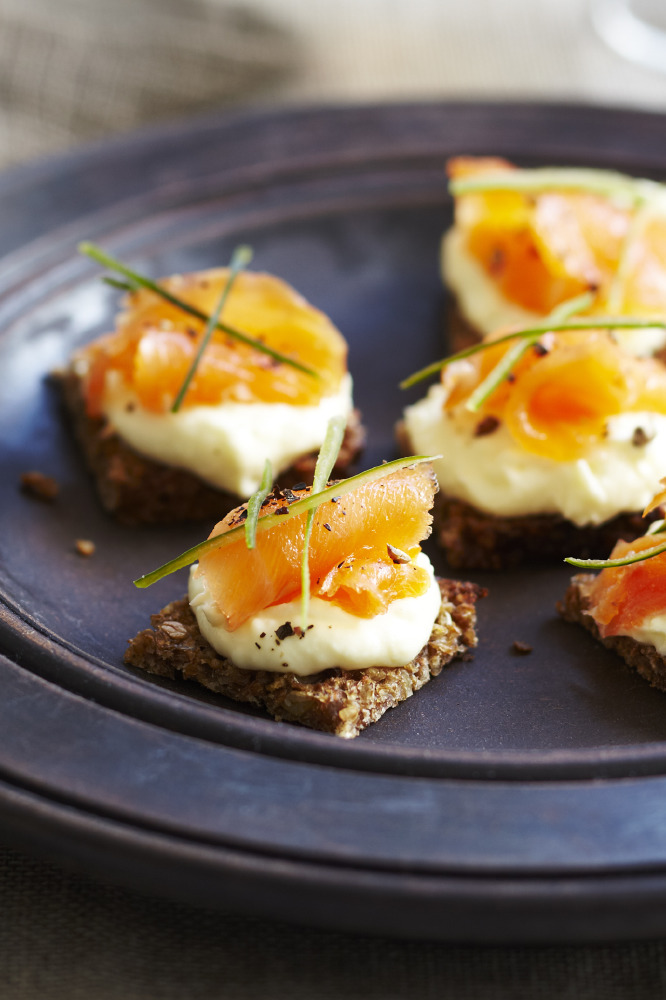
(640, 656)
(139, 490)
(473, 539)
(336, 701)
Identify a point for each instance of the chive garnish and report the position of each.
(542, 179)
(241, 257)
(254, 505)
(136, 281)
(123, 286)
(595, 323)
(310, 502)
(634, 557)
(616, 291)
(656, 528)
(505, 366)
(328, 456)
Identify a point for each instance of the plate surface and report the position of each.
(514, 798)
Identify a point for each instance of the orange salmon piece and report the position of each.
(155, 342)
(542, 249)
(645, 286)
(622, 597)
(349, 561)
(561, 396)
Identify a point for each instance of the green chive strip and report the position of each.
(124, 286)
(328, 456)
(505, 366)
(594, 323)
(241, 257)
(603, 182)
(616, 290)
(254, 505)
(310, 502)
(106, 260)
(499, 373)
(562, 312)
(610, 563)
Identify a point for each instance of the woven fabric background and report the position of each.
(64, 937)
(74, 70)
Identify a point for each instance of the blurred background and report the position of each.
(76, 70)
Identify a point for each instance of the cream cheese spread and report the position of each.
(484, 306)
(334, 637)
(496, 475)
(225, 445)
(652, 632)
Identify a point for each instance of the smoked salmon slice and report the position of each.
(543, 248)
(155, 343)
(622, 597)
(562, 392)
(361, 552)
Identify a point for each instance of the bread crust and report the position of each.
(639, 656)
(473, 539)
(342, 702)
(138, 490)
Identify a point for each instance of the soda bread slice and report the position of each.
(336, 701)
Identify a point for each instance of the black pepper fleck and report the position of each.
(486, 426)
(284, 631)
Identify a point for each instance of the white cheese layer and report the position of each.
(496, 475)
(225, 445)
(484, 306)
(334, 637)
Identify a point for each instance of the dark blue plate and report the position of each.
(514, 798)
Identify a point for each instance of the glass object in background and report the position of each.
(635, 29)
